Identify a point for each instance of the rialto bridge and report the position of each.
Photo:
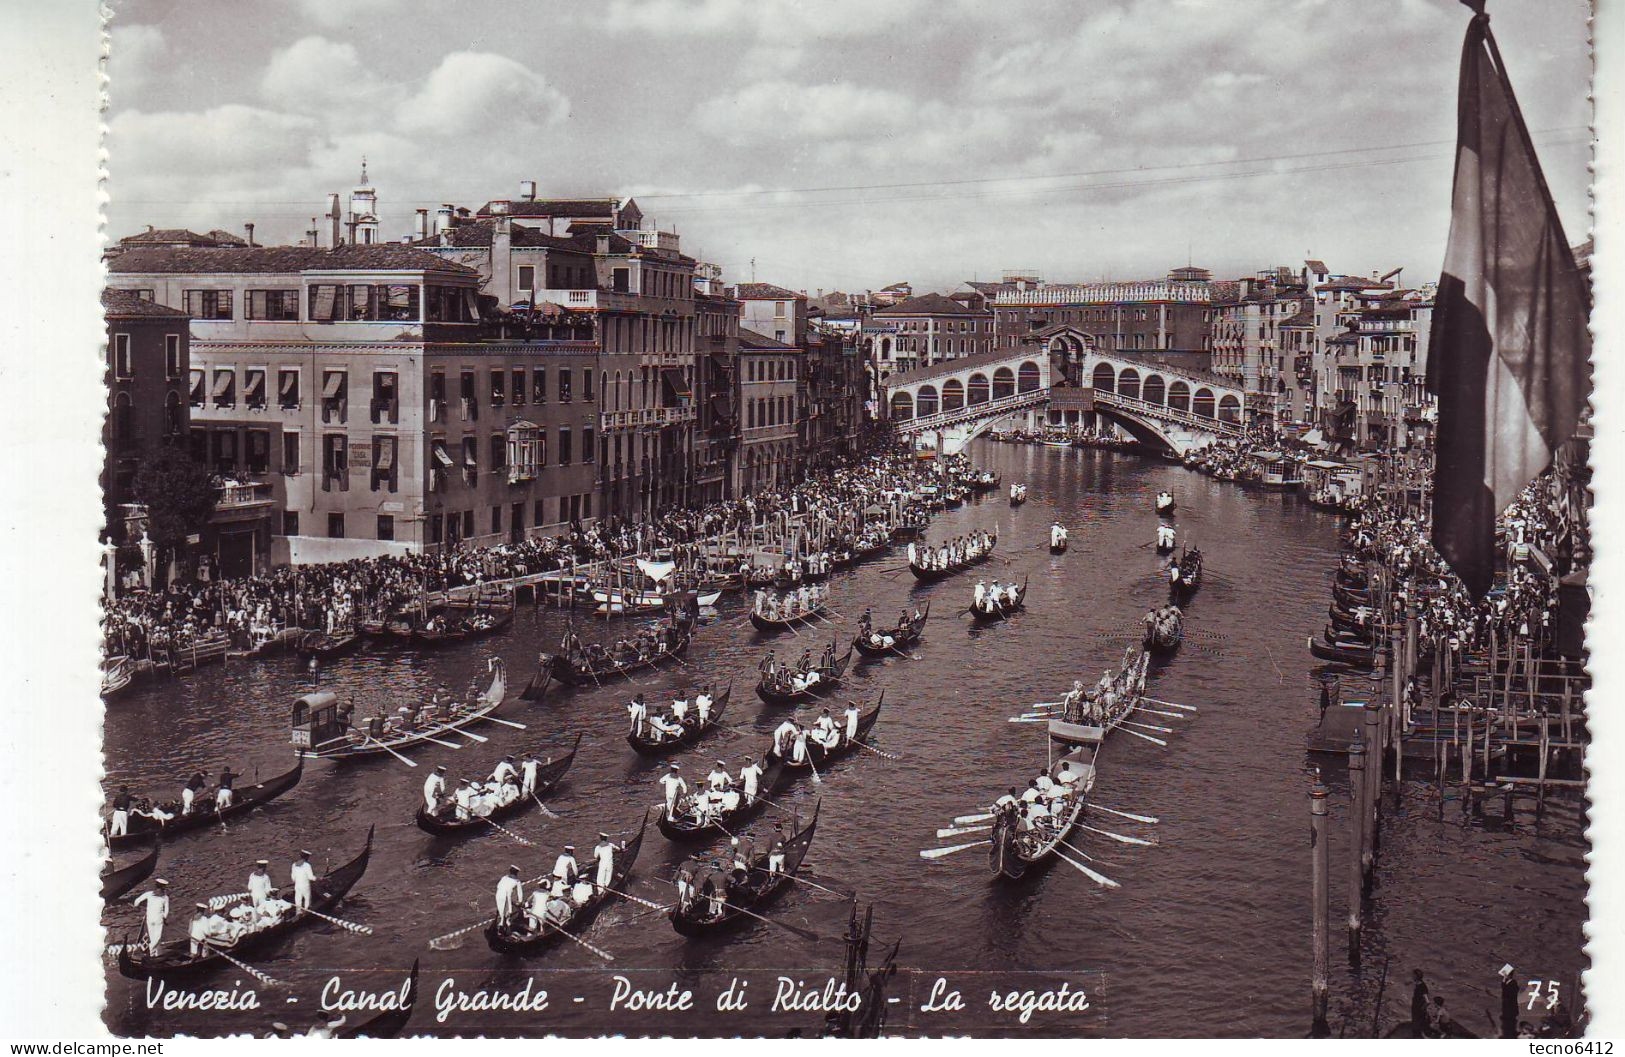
(948, 404)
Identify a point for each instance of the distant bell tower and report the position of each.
(363, 211)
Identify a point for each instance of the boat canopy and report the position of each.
(320, 699)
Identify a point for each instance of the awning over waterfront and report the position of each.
(676, 383)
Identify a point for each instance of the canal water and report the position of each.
(1209, 933)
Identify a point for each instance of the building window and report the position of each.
(254, 388)
(290, 458)
(335, 396)
(224, 455)
(174, 419)
(335, 462)
(172, 356)
(386, 526)
(471, 403)
(471, 459)
(335, 526)
(499, 452)
(386, 404)
(499, 387)
(587, 449)
(450, 304)
(208, 304)
(287, 387)
(273, 305)
(259, 451)
(564, 446)
(437, 396)
(620, 280)
(586, 384)
(778, 309)
(518, 387)
(224, 391)
(538, 385)
(122, 365)
(564, 385)
(496, 518)
(290, 522)
(527, 277)
(385, 448)
(520, 450)
(437, 528)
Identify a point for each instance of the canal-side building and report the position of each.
(1167, 316)
(716, 438)
(769, 380)
(148, 350)
(931, 328)
(772, 311)
(1245, 322)
(362, 384)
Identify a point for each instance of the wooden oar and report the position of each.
(437, 741)
(1150, 819)
(264, 978)
(960, 831)
(834, 892)
(368, 737)
(813, 767)
(1093, 875)
(937, 853)
(965, 820)
(1168, 715)
(364, 930)
(806, 934)
(475, 737)
(505, 830)
(1118, 837)
(216, 902)
(1147, 737)
(1145, 726)
(506, 723)
(1170, 704)
(543, 806)
(636, 899)
(1031, 719)
(877, 752)
(459, 932)
(608, 957)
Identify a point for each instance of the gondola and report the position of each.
(760, 890)
(388, 1024)
(984, 482)
(445, 823)
(325, 645)
(119, 880)
(692, 732)
(590, 672)
(176, 960)
(685, 829)
(1362, 639)
(1000, 612)
(1350, 598)
(322, 731)
(1343, 620)
(1351, 583)
(244, 799)
(822, 757)
(1018, 494)
(903, 635)
(828, 679)
(517, 938)
(1165, 503)
(488, 620)
(774, 624)
(1164, 638)
(953, 498)
(927, 576)
(1014, 852)
(447, 631)
(1355, 656)
(1189, 566)
(118, 675)
(1057, 546)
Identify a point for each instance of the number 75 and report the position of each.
(1550, 992)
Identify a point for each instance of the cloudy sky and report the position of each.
(847, 144)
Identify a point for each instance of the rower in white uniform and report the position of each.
(675, 787)
(434, 787)
(750, 777)
(851, 721)
(604, 855)
(702, 705)
(510, 896)
(119, 824)
(639, 713)
(304, 875)
(156, 900)
(529, 772)
(775, 859)
(564, 867)
(679, 709)
(718, 780)
(259, 883)
(504, 770)
(783, 736)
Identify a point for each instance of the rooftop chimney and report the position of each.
(422, 229)
(442, 218)
(313, 234)
(527, 190)
(500, 205)
(249, 227)
(334, 216)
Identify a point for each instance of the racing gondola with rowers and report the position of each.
(325, 645)
(589, 668)
(1018, 494)
(1185, 575)
(1016, 850)
(685, 827)
(118, 880)
(444, 821)
(740, 901)
(890, 641)
(517, 937)
(323, 730)
(244, 799)
(986, 481)
(1165, 503)
(390, 1022)
(1164, 630)
(175, 959)
(925, 575)
(785, 692)
(769, 622)
(822, 757)
(650, 743)
(991, 612)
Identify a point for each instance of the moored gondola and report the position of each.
(141, 828)
(390, 1022)
(889, 642)
(650, 742)
(1350, 598)
(686, 827)
(517, 937)
(991, 612)
(326, 645)
(739, 901)
(1359, 657)
(118, 880)
(177, 960)
(445, 820)
(796, 687)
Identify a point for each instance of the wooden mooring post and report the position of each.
(1373, 791)
(1320, 898)
(1357, 851)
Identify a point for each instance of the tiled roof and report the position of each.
(555, 207)
(1354, 282)
(749, 339)
(990, 289)
(929, 305)
(764, 292)
(1224, 291)
(182, 236)
(180, 260)
(124, 304)
(1318, 267)
(1304, 318)
(480, 232)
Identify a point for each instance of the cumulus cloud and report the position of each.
(345, 14)
(315, 72)
(133, 57)
(780, 110)
(471, 92)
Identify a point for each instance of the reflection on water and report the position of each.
(1208, 935)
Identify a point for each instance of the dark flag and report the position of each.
(1509, 356)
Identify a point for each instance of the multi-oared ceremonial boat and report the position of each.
(770, 622)
(322, 730)
(176, 959)
(740, 902)
(517, 937)
(445, 822)
(1015, 851)
(648, 744)
(926, 575)
(204, 813)
(1185, 575)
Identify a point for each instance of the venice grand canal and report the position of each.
(1208, 935)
